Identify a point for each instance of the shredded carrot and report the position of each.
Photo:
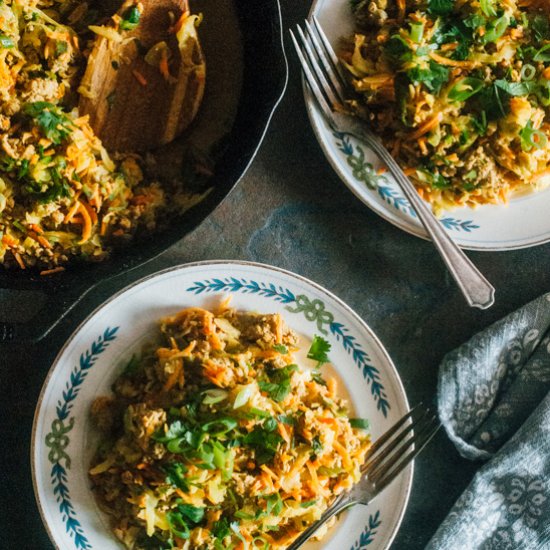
(91, 212)
(340, 449)
(43, 241)
(163, 66)
(179, 23)
(73, 210)
(8, 240)
(426, 127)
(278, 329)
(36, 228)
(173, 378)
(332, 386)
(19, 260)
(52, 271)
(449, 46)
(422, 145)
(215, 341)
(450, 62)
(139, 77)
(281, 428)
(87, 226)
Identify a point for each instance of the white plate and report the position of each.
(62, 444)
(522, 223)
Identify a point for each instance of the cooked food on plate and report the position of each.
(63, 196)
(218, 436)
(459, 91)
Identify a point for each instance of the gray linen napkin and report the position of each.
(494, 402)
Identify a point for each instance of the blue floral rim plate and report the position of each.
(63, 440)
(522, 223)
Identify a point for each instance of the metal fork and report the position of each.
(386, 459)
(329, 87)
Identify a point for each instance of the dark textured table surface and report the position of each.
(292, 211)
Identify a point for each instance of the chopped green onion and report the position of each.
(220, 426)
(214, 396)
(19, 226)
(531, 137)
(488, 8)
(307, 503)
(465, 88)
(417, 31)
(177, 525)
(528, 72)
(130, 19)
(543, 92)
(260, 539)
(243, 397)
(220, 455)
(243, 515)
(496, 29)
(543, 54)
(359, 423)
(6, 41)
(253, 412)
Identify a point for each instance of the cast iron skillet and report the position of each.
(37, 303)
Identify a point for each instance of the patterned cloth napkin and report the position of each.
(494, 402)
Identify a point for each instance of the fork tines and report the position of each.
(392, 452)
(320, 64)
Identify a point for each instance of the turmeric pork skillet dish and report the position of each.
(63, 196)
(216, 437)
(458, 90)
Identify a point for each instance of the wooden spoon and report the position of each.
(142, 90)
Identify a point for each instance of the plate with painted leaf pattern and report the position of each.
(521, 223)
(63, 440)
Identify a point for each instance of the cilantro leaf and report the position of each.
(175, 475)
(264, 443)
(433, 77)
(397, 50)
(540, 26)
(194, 514)
(220, 529)
(317, 377)
(280, 348)
(440, 7)
(276, 390)
(274, 504)
(515, 88)
(55, 124)
(182, 516)
(316, 445)
(319, 350)
(278, 386)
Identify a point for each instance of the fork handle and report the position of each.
(340, 505)
(475, 287)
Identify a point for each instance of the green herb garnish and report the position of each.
(319, 350)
